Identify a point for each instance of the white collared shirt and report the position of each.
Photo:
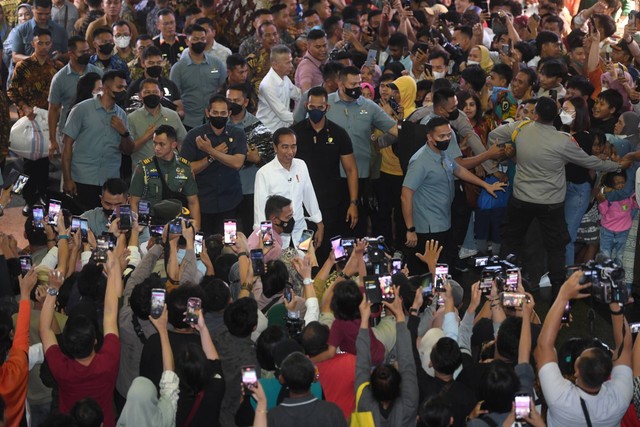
(274, 96)
(294, 184)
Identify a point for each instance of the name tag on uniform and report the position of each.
(214, 71)
(363, 112)
(153, 173)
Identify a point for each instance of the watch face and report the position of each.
(52, 291)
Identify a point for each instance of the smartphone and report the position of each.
(54, 210)
(607, 56)
(156, 230)
(266, 231)
(429, 68)
(348, 245)
(338, 249)
(481, 261)
(513, 276)
(75, 223)
(288, 293)
(486, 281)
(102, 246)
(396, 265)
(38, 216)
(346, 27)
(536, 17)
(513, 299)
(257, 262)
(371, 56)
(427, 286)
(84, 229)
(566, 312)
(553, 94)
(18, 186)
(632, 18)
(249, 378)
(229, 232)
(621, 68)
(635, 327)
(175, 226)
(193, 308)
(144, 212)
(506, 49)
(372, 289)
(305, 240)
(522, 405)
(394, 105)
(157, 302)
(442, 272)
(386, 286)
(25, 264)
(111, 240)
(197, 244)
(125, 217)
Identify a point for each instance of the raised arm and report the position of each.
(622, 340)
(47, 336)
(113, 293)
(207, 343)
(161, 326)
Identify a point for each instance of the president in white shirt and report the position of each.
(277, 90)
(289, 177)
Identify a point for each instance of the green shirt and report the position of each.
(147, 184)
(141, 119)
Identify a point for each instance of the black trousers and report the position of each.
(388, 189)
(460, 215)
(88, 196)
(363, 210)
(446, 256)
(245, 214)
(553, 230)
(36, 187)
(213, 223)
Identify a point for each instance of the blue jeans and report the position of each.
(612, 243)
(576, 203)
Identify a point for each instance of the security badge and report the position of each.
(180, 174)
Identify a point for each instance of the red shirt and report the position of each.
(97, 380)
(337, 377)
(344, 333)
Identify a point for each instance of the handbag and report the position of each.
(30, 138)
(361, 419)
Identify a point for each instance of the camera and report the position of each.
(375, 257)
(498, 270)
(606, 277)
(294, 324)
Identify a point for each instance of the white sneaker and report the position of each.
(544, 281)
(466, 253)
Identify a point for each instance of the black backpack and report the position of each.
(411, 137)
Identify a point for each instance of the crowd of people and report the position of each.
(263, 208)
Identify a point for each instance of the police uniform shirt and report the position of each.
(147, 183)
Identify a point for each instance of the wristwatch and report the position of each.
(355, 202)
(210, 159)
(125, 135)
(52, 291)
(411, 229)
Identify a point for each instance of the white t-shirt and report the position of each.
(606, 409)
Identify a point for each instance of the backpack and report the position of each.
(411, 137)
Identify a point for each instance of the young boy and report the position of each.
(605, 111)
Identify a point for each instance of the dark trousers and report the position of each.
(333, 217)
(460, 215)
(446, 256)
(553, 229)
(245, 214)
(363, 210)
(213, 223)
(388, 189)
(88, 196)
(36, 187)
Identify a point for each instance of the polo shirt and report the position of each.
(321, 151)
(96, 151)
(358, 118)
(309, 71)
(21, 40)
(65, 16)
(171, 52)
(197, 82)
(115, 63)
(249, 170)
(141, 119)
(219, 187)
(63, 89)
(430, 176)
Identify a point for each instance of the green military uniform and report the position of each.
(147, 183)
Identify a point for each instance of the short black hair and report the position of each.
(432, 124)
(508, 337)
(318, 91)
(168, 130)
(275, 204)
(527, 51)
(316, 34)
(235, 60)
(268, 339)
(398, 40)
(533, 77)
(435, 412)
(111, 75)
(87, 413)
(74, 41)
(218, 98)
(143, 37)
(41, 32)
(101, 30)
(165, 11)
(498, 386)
(544, 37)
(575, 39)
(346, 300)
(115, 186)
(553, 68)
(314, 338)
(177, 304)
(79, 336)
(332, 70)
(595, 367)
(446, 356)
(140, 299)
(464, 29)
(475, 76)
(547, 110)
(241, 317)
(298, 372)
(244, 88)
(330, 24)
(282, 132)
(385, 383)
(613, 98)
(193, 28)
(349, 71)
(504, 71)
(206, 21)
(441, 96)
(121, 23)
(217, 294)
(260, 12)
(150, 51)
(606, 22)
(45, 4)
(309, 12)
(277, 8)
(439, 54)
(275, 278)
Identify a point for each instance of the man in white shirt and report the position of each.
(277, 90)
(593, 396)
(288, 177)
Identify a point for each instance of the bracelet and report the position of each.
(261, 411)
(307, 281)
(494, 305)
(344, 276)
(413, 311)
(63, 237)
(246, 286)
(617, 313)
(242, 254)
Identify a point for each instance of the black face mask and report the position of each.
(453, 115)
(218, 122)
(154, 71)
(353, 93)
(106, 49)
(107, 212)
(287, 227)
(84, 58)
(120, 97)
(235, 108)
(198, 48)
(151, 101)
(443, 145)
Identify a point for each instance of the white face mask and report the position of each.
(439, 74)
(469, 63)
(123, 42)
(566, 118)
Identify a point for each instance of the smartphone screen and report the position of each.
(481, 261)
(144, 211)
(54, 210)
(522, 406)
(111, 240)
(229, 232)
(505, 49)
(288, 293)
(84, 229)
(513, 299)
(386, 287)
(396, 266)
(442, 272)
(156, 230)
(175, 226)
(372, 289)
(513, 274)
(427, 286)
(18, 186)
(193, 308)
(125, 217)
(348, 244)
(338, 249)
(266, 231)
(197, 244)
(38, 216)
(634, 327)
(486, 281)
(249, 377)
(25, 264)
(346, 27)
(257, 262)
(102, 246)
(371, 56)
(305, 240)
(157, 302)
(75, 224)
